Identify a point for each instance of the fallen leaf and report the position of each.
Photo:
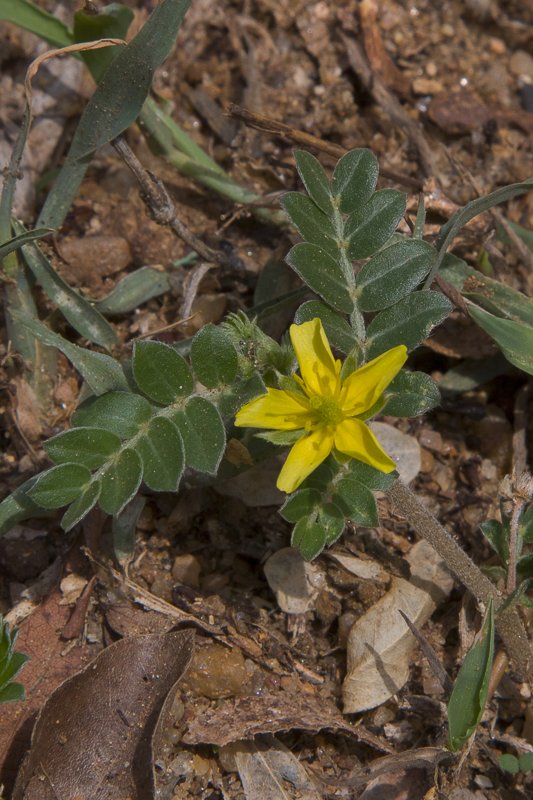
(51, 662)
(245, 717)
(269, 770)
(295, 582)
(92, 739)
(367, 569)
(379, 648)
(28, 413)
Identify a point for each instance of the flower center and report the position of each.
(327, 409)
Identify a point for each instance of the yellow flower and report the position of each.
(327, 410)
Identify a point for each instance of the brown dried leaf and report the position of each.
(51, 662)
(269, 770)
(380, 644)
(92, 739)
(245, 717)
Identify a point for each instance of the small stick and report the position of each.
(262, 123)
(160, 205)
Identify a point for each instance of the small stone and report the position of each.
(521, 64)
(426, 460)
(92, 258)
(186, 569)
(425, 86)
(497, 46)
(431, 69)
(214, 583)
(448, 30)
(344, 626)
(217, 672)
(294, 581)
(162, 586)
(431, 440)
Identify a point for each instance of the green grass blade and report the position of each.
(23, 238)
(463, 215)
(28, 16)
(83, 317)
(467, 701)
(101, 372)
(515, 339)
(115, 103)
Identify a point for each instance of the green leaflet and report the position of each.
(411, 394)
(203, 434)
(213, 357)
(315, 180)
(357, 501)
(162, 455)
(369, 227)
(322, 274)
(393, 274)
(160, 372)
(120, 481)
(514, 338)
(408, 322)
(121, 413)
(354, 179)
(467, 701)
(81, 506)
(90, 447)
(309, 537)
(60, 485)
(313, 225)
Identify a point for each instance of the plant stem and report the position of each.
(508, 622)
(518, 507)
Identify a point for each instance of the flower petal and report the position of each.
(317, 365)
(277, 409)
(365, 386)
(305, 456)
(355, 439)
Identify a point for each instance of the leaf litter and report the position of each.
(297, 670)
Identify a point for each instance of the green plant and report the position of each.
(11, 663)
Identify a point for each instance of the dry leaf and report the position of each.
(49, 665)
(295, 582)
(245, 717)
(380, 644)
(92, 738)
(367, 569)
(268, 770)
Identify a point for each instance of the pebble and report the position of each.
(217, 672)
(497, 46)
(426, 86)
(426, 460)
(431, 69)
(448, 30)
(431, 440)
(521, 64)
(186, 569)
(294, 581)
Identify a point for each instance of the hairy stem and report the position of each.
(508, 622)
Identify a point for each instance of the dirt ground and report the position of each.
(454, 121)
